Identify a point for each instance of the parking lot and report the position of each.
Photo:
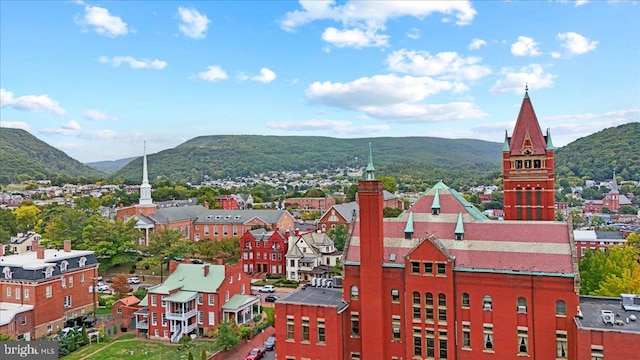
(279, 292)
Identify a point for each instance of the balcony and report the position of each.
(142, 325)
(181, 315)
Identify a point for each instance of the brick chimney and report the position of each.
(2, 249)
(40, 252)
(206, 270)
(67, 246)
(219, 261)
(34, 245)
(172, 266)
(206, 204)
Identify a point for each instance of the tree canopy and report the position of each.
(610, 273)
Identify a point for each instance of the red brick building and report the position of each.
(41, 289)
(339, 214)
(195, 298)
(310, 203)
(227, 202)
(528, 169)
(126, 308)
(264, 251)
(612, 201)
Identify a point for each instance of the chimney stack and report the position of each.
(40, 252)
(67, 246)
(206, 204)
(34, 245)
(172, 266)
(206, 270)
(219, 261)
(2, 249)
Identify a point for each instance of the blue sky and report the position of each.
(96, 79)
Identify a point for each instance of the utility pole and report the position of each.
(94, 280)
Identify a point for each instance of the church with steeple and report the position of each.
(528, 169)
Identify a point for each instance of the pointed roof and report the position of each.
(370, 171)
(436, 200)
(459, 225)
(505, 145)
(145, 188)
(614, 184)
(549, 142)
(527, 134)
(409, 227)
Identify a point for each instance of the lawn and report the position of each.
(141, 350)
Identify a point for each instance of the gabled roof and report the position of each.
(527, 131)
(129, 300)
(346, 210)
(190, 277)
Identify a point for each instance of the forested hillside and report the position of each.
(110, 167)
(226, 156)
(598, 155)
(22, 155)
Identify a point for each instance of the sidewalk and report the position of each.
(241, 351)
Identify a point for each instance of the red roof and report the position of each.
(527, 123)
(130, 300)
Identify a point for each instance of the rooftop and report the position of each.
(591, 308)
(314, 296)
(8, 311)
(29, 260)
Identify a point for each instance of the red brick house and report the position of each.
(263, 251)
(613, 200)
(339, 214)
(195, 298)
(310, 203)
(126, 308)
(41, 289)
(227, 202)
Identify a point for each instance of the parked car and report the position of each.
(133, 280)
(267, 289)
(256, 353)
(103, 287)
(271, 298)
(270, 343)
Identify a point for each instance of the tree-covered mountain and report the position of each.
(112, 166)
(228, 156)
(596, 156)
(23, 156)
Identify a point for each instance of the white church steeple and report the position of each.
(145, 188)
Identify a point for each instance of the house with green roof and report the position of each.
(196, 297)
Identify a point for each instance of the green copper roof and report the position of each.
(505, 146)
(237, 301)
(549, 142)
(459, 225)
(190, 277)
(370, 175)
(436, 200)
(181, 296)
(409, 227)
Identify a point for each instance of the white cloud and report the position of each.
(576, 44)
(15, 125)
(134, 63)
(339, 127)
(556, 55)
(525, 46)
(414, 34)
(567, 128)
(356, 38)
(266, 76)
(391, 97)
(96, 115)
(581, 2)
(445, 65)
(477, 44)
(102, 22)
(73, 128)
(362, 20)
(193, 24)
(513, 81)
(212, 74)
(32, 103)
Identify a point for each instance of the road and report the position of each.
(280, 293)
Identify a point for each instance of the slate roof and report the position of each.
(190, 277)
(489, 246)
(609, 235)
(346, 210)
(527, 123)
(202, 215)
(314, 296)
(27, 266)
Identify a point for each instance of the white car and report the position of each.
(103, 287)
(267, 289)
(133, 280)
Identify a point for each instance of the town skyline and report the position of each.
(96, 79)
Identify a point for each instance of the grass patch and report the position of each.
(143, 350)
(102, 311)
(126, 337)
(269, 311)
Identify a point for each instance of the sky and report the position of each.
(98, 79)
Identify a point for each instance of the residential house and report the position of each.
(339, 214)
(125, 309)
(310, 203)
(40, 290)
(195, 298)
(263, 251)
(23, 242)
(311, 255)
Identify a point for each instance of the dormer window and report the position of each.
(7, 272)
(64, 265)
(48, 272)
(82, 262)
(459, 236)
(518, 164)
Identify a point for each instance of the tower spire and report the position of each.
(370, 171)
(145, 188)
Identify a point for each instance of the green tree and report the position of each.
(391, 212)
(225, 337)
(168, 243)
(315, 193)
(113, 243)
(605, 273)
(66, 225)
(626, 209)
(27, 217)
(88, 204)
(633, 239)
(339, 236)
(388, 183)
(606, 210)
(597, 222)
(351, 192)
(203, 354)
(8, 221)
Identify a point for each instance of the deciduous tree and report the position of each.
(27, 217)
(120, 285)
(339, 236)
(225, 337)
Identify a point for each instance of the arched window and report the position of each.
(48, 272)
(487, 303)
(522, 305)
(442, 300)
(416, 298)
(82, 262)
(428, 299)
(63, 265)
(561, 307)
(354, 292)
(465, 300)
